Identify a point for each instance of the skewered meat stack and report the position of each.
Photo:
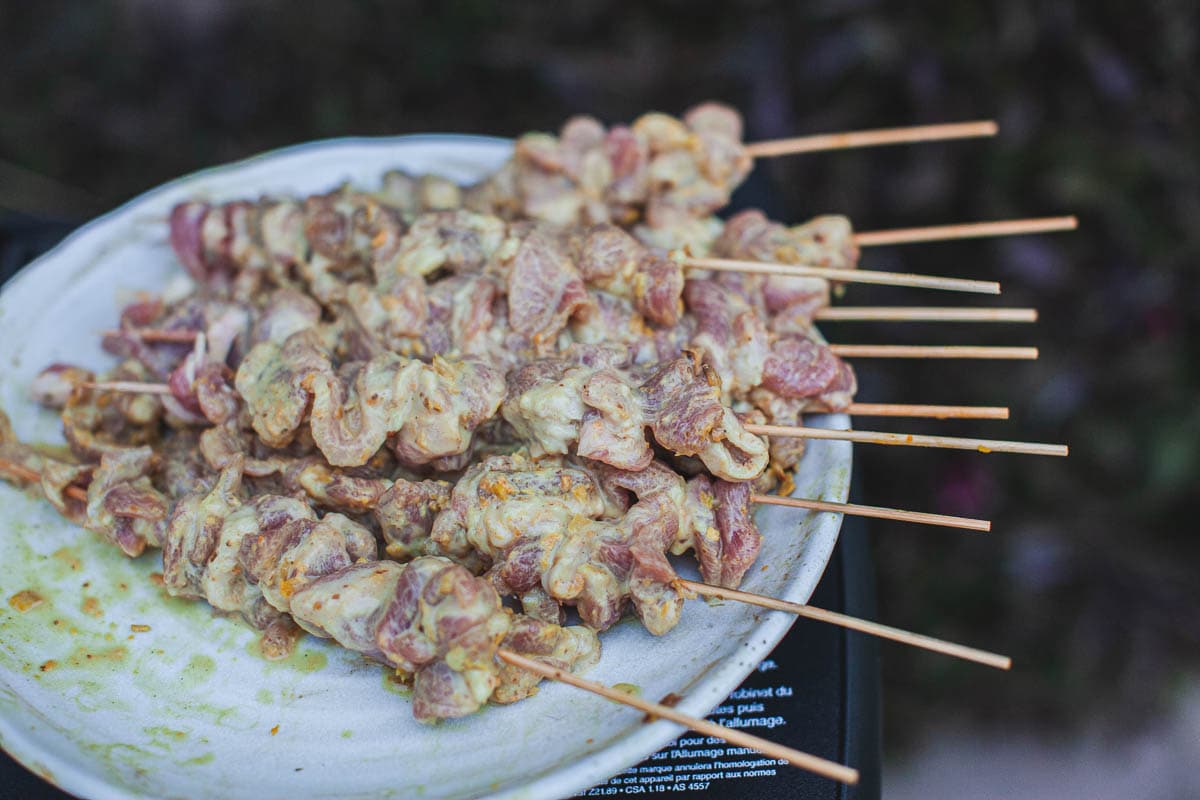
(341, 243)
(375, 416)
(538, 524)
(512, 296)
(270, 558)
(660, 170)
(593, 564)
(679, 403)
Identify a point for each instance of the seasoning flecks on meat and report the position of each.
(288, 558)
(193, 532)
(431, 410)
(725, 537)
(612, 260)
(406, 513)
(271, 380)
(551, 533)
(544, 289)
(337, 490)
(123, 505)
(786, 451)
(682, 400)
(545, 406)
(444, 626)
(652, 526)
(537, 524)
(393, 316)
(348, 605)
(558, 406)
(731, 337)
(694, 177)
(799, 367)
(573, 648)
(224, 583)
(613, 427)
(659, 169)
(459, 241)
(477, 517)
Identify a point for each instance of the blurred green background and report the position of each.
(1090, 578)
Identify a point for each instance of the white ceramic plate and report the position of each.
(187, 709)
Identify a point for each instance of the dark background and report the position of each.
(1089, 580)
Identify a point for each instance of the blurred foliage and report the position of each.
(1090, 579)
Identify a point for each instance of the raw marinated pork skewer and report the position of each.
(720, 314)
(844, 140)
(925, 314)
(859, 409)
(561, 405)
(54, 388)
(272, 548)
(659, 169)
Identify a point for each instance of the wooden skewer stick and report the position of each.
(970, 230)
(926, 314)
(820, 766)
(853, 623)
(19, 471)
(847, 350)
(154, 335)
(79, 493)
(926, 411)
(23, 473)
(837, 313)
(861, 409)
(881, 136)
(911, 440)
(877, 512)
(833, 313)
(127, 387)
(942, 520)
(966, 412)
(932, 351)
(843, 275)
(844, 350)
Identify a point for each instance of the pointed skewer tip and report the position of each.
(868, 627)
(820, 766)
